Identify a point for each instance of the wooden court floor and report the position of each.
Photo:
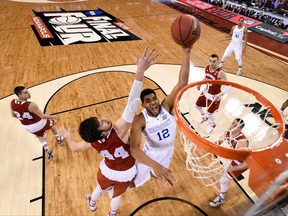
(102, 74)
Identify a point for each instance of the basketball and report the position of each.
(185, 30)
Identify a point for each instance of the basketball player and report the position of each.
(236, 140)
(211, 95)
(117, 170)
(33, 119)
(237, 33)
(157, 124)
(283, 107)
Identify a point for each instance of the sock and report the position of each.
(115, 203)
(92, 203)
(281, 111)
(45, 146)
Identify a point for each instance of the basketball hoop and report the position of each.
(267, 155)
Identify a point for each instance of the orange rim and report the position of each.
(220, 150)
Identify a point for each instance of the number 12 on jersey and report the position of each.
(163, 134)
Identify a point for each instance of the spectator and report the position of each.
(252, 14)
(220, 3)
(246, 12)
(267, 19)
(234, 9)
(241, 10)
(214, 2)
(264, 5)
(270, 7)
(260, 17)
(229, 7)
(224, 4)
(248, 3)
(281, 25)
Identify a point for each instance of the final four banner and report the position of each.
(79, 27)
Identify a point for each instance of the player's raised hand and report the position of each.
(63, 131)
(145, 61)
(164, 175)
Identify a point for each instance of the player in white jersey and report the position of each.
(237, 33)
(157, 124)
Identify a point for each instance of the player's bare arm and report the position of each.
(35, 109)
(135, 139)
(74, 146)
(122, 124)
(227, 89)
(231, 33)
(245, 40)
(242, 166)
(168, 102)
(12, 113)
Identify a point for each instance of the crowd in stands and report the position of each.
(279, 7)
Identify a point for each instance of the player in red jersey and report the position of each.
(117, 170)
(33, 119)
(236, 140)
(211, 95)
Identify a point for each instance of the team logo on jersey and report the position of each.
(164, 117)
(79, 27)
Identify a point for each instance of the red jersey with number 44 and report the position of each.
(116, 152)
(20, 108)
(212, 75)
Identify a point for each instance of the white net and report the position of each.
(260, 130)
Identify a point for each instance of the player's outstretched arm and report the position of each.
(75, 147)
(168, 102)
(221, 139)
(231, 33)
(35, 109)
(135, 139)
(227, 89)
(122, 125)
(245, 40)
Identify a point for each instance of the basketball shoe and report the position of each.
(50, 154)
(60, 140)
(113, 214)
(203, 119)
(217, 201)
(93, 208)
(239, 72)
(211, 128)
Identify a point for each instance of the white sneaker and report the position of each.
(239, 72)
(217, 201)
(211, 128)
(92, 208)
(203, 119)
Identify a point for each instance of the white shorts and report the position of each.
(161, 156)
(237, 48)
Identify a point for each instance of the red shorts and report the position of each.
(202, 102)
(119, 187)
(41, 133)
